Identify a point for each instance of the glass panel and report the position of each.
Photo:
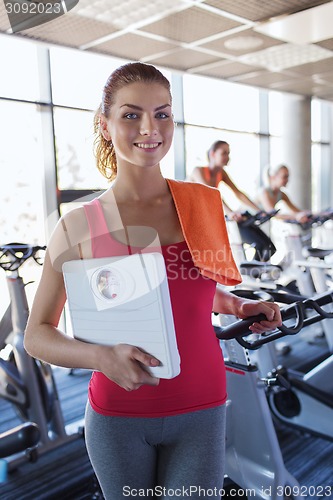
(275, 151)
(275, 103)
(321, 120)
(78, 77)
(315, 120)
(321, 177)
(21, 167)
(74, 145)
(322, 236)
(326, 120)
(19, 75)
(315, 177)
(168, 164)
(244, 165)
(216, 103)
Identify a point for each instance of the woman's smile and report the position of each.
(147, 146)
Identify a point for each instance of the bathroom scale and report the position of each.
(124, 300)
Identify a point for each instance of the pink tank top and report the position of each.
(201, 383)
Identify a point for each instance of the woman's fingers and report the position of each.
(128, 367)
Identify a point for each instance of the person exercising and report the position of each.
(212, 175)
(276, 179)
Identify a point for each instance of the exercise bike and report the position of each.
(254, 460)
(298, 239)
(305, 400)
(311, 264)
(264, 275)
(247, 237)
(27, 383)
(322, 236)
(298, 277)
(303, 278)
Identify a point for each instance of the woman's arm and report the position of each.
(285, 198)
(268, 205)
(236, 216)
(240, 195)
(227, 303)
(300, 215)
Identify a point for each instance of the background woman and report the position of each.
(212, 175)
(273, 193)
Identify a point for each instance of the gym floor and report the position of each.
(66, 472)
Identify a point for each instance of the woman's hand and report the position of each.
(302, 217)
(237, 216)
(271, 310)
(228, 303)
(127, 366)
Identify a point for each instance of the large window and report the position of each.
(244, 164)
(74, 146)
(321, 131)
(78, 77)
(220, 104)
(21, 192)
(216, 110)
(19, 69)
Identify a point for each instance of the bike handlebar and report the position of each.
(240, 329)
(255, 219)
(13, 255)
(313, 220)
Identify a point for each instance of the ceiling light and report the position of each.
(243, 43)
(123, 13)
(286, 56)
(307, 26)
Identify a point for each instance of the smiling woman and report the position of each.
(148, 127)
(142, 431)
(136, 115)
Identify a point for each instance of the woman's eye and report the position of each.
(162, 115)
(131, 116)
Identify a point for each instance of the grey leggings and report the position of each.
(179, 456)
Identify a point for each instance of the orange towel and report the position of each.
(201, 216)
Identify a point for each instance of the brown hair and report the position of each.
(124, 75)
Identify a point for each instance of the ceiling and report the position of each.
(284, 45)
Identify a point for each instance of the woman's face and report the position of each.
(141, 124)
(220, 157)
(281, 177)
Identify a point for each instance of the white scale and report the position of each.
(124, 300)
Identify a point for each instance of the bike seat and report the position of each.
(320, 253)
